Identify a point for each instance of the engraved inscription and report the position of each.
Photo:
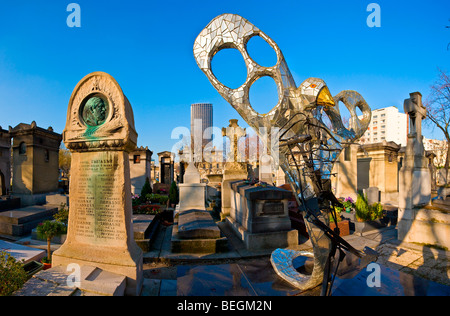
(269, 208)
(99, 207)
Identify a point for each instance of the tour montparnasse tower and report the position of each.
(201, 125)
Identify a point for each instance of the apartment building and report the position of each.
(387, 124)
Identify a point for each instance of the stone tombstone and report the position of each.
(260, 216)
(346, 170)
(100, 134)
(233, 169)
(373, 195)
(432, 167)
(192, 192)
(415, 177)
(265, 169)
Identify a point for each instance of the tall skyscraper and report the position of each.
(201, 125)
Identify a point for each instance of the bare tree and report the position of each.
(448, 27)
(438, 110)
(65, 159)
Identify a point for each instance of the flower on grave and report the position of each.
(348, 202)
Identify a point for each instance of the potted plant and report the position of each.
(48, 230)
(348, 204)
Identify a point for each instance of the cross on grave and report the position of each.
(234, 132)
(417, 112)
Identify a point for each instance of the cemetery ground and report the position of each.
(406, 268)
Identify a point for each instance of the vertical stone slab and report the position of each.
(100, 134)
(414, 176)
(234, 168)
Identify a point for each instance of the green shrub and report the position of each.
(173, 193)
(12, 274)
(63, 215)
(362, 208)
(156, 198)
(366, 212)
(146, 189)
(376, 211)
(338, 211)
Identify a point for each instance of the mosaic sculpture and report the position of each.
(306, 148)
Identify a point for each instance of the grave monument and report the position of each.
(100, 134)
(234, 169)
(194, 230)
(140, 168)
(35, 162)
(418, 222)
(415, 177)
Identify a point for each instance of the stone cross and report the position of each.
(417, 112)
(234, 132)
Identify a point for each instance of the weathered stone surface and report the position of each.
(19, 222)
(20, 252)
(259, 216)
(197, 224)
(100, 232)
(65, 281)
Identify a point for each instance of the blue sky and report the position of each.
(147, 47)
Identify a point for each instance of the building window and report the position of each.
(375, 122)
(47, 155)
(137, 159)
(383, 126)
(22, 148)
(375, 116)
(383, 115)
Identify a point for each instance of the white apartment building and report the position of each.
(438, 147)
(387, 124)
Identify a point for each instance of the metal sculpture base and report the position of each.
(282, 261)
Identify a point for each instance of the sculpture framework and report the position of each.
(307, 148)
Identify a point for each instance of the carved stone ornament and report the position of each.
(99, 116)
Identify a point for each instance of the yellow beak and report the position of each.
(324, 98)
